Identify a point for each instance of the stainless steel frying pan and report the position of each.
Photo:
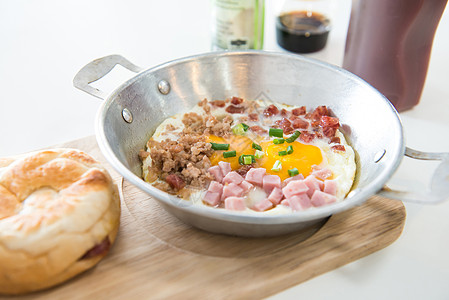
(130, 114)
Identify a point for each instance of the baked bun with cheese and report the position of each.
(59, 214)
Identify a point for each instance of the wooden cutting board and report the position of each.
(156, 256)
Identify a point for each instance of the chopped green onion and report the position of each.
(290, 149)
(257, 147)
(277, 132)
(259, 154)
(247, 160)
(240, 129)
(232, 153)
(282, 153)
(293, 137)
(242, 157)
(217, 146)
(278, 141)
(277, 166)
(293, 172)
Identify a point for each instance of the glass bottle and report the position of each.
(237, 24)
(303, 26)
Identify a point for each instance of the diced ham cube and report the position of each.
(263, 205)
(320, 198)
(285, 203)
(296, 177)
(276, 196)
(330, 187)
(320, 184)
(313, 184)
(299, 202)
(246, 186)
(230, 190)
(322, 173)
(211, 198)
(233, 177)
(255, 176)
(270, 182)
(235, 203)
(216, 172)
(295, 187)
(215, 187)
(225, 167)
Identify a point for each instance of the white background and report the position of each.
(44, 43)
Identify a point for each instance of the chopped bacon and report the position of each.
(318, 113)
(293, 117)
(307, 137)
(232, 109)
(300, 123)
(244, 169)
(218, 103)
(338, 148)
(285, 125)
(253, 117)
(271, 110)
(285, 113)
(318, 135)
(329, 125)
(175, 181)
(327, 121)
(257, 129)
(299, 111)
(329, 131)
(236, 100)
(334, 140)
(315, 123)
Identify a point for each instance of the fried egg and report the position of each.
(303, 156)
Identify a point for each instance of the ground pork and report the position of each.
(186, 160)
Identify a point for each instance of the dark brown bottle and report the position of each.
(302, 31)
(389, 45)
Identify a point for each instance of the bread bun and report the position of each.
(59, 213)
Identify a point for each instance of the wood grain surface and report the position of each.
(156, 256)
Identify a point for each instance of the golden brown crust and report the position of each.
(55, 205)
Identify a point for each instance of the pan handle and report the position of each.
(438, 189)
(97, 69)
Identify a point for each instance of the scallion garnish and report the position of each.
(257, 147)
(277, 166)
(242, 160)
(293, 172)
(290, 149)
(277, 132)
(240, 129)
(217, 146)
(232, 153)
(247, 160)
(278, 141)
(282, 153)
(293, 137)
(259, 154)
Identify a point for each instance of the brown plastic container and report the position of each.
(389, 45)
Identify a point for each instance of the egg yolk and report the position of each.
(303, 157)
(241, 144)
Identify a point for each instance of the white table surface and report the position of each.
(44, 43)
